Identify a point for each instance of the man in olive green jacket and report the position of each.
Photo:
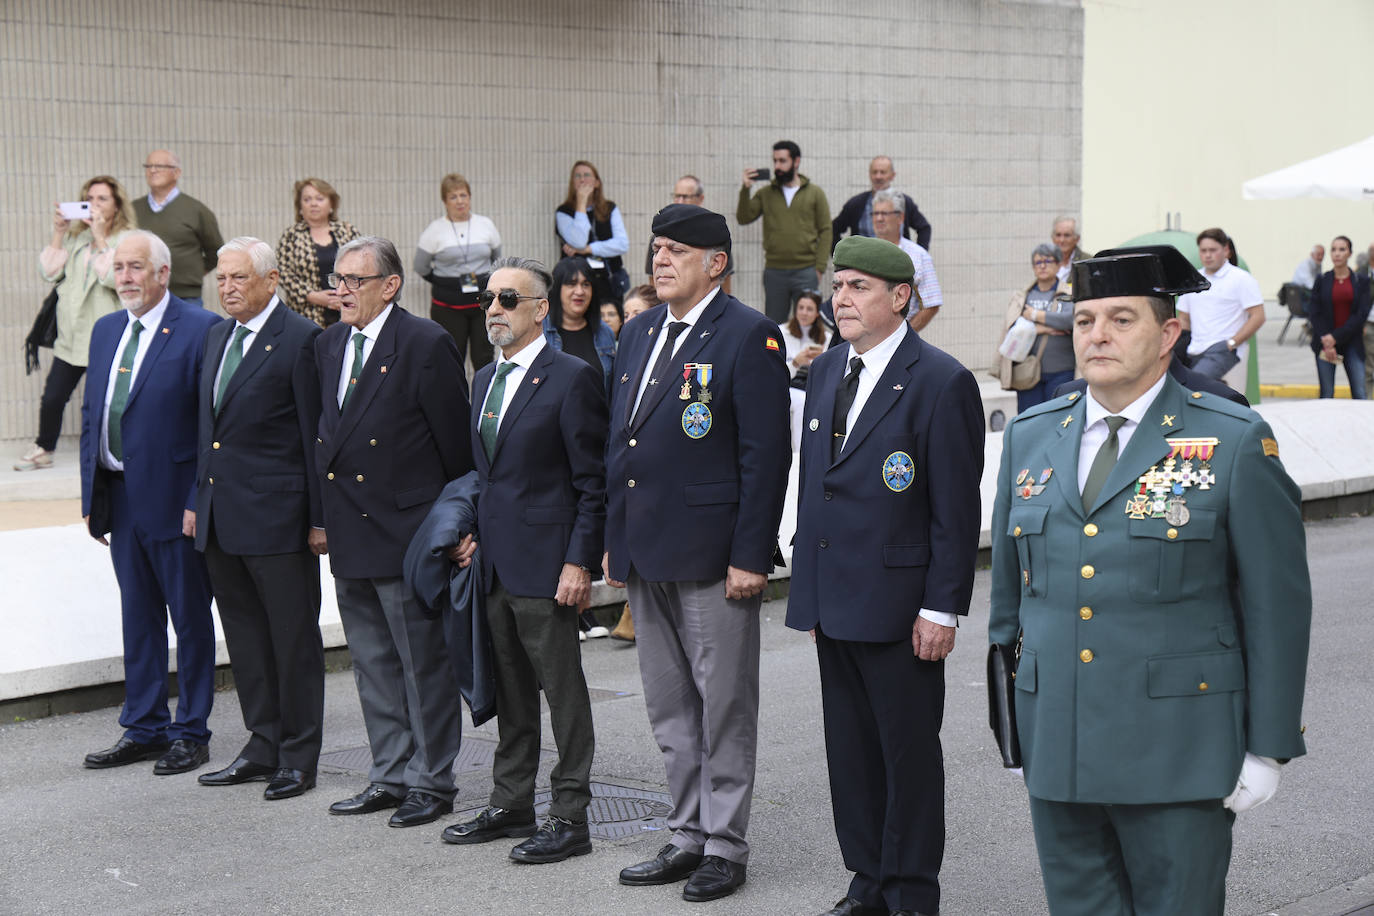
(796, 229)
(1148, 549)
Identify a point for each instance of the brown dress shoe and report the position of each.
(625, 629)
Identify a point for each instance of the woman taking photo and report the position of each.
(804, 334)
(455, 255)
(79, 259)
(590, 226)
(306, 251)
(574, 322)
(1337, 309)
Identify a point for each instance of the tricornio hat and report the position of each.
(1147, 270)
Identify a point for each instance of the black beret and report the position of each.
(1146, 270)
(692, 225)
(874, 256)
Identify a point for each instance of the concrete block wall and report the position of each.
(977, 101)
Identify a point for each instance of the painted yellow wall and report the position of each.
(1185, 100)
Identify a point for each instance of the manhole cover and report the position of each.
(615, 812)
(475, 754)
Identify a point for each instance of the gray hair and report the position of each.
(385, 259)
(543, 280)
(701, 191)
(1045, 250)
(159, 256)
(1067, 219)
(708, 254)
(892, 196)
(260, 254)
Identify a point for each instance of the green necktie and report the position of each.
(359, 341)
(491, 411)
(120, 398)
(1102, 464)
(231, 363)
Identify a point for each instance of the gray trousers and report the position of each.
(534, 643)
(699, 660)
(406, 685)
(781, 287)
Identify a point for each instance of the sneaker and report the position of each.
(34, 459)
(591, 627)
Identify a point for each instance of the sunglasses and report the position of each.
(509, 299)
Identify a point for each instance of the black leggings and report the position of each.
(62, 380)
(469, 329)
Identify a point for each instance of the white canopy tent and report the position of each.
(1343, 174)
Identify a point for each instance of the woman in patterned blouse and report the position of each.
(305, 254)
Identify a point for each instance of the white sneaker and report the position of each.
(598, 632)
(581, 635)
(34, 459)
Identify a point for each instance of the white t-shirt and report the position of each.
(795, 345)
(1216, 314)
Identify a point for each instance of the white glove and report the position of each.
(1259, 780)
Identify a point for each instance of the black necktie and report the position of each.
(844, 400)
(665, 356)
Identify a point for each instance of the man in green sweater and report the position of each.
(187, 226)
(796, 229)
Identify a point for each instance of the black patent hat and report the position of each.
(1146, 270)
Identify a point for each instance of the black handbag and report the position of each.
(1002, 662)
(43, 333)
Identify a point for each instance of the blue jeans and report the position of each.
(1042, 392)
(1216, 360)
(1354, 371)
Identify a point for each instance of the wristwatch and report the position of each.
(1231, 342)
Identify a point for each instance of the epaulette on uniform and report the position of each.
(1209, 401)
(1053, 405)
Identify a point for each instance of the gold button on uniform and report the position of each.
(1086, 656)
(212, 481)
(1171, 534)
(1090, 530)
(371, 441)
(319, 441)
(1197, 395)
(1086, 613)
(214, 445)
(359, 478)
(1016, 532)
(330, 475)
(630, 483)
(1088, 572)
(1202, 686)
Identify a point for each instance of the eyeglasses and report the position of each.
(885, 214)
(337, 280)
(508, 298)
(685, 198)
(1043, 262)
(155, 167)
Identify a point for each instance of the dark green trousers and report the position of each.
(534, 644)
(1133, 860)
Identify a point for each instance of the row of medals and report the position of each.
(1160, 490)
(704, 394)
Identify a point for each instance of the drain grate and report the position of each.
(476, 754)
(616, 812)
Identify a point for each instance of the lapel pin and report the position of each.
(896, 387)
(267, 349)
(651, 331)
(384, 370)
(1168, 420)
(705, 334)
(534, 381)
(815, 424)
(1067, 421)
(624, 378)
(166, 330)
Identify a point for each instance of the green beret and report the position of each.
(874, 256)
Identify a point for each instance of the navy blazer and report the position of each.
(1320, 312)
(256, 473)
(386, 459)
(874, 545)
(853, 211)
(683, 509)
(543, 493)
(159, 425)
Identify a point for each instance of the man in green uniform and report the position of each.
(1148, 550)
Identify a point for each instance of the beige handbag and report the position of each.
(1023, 375)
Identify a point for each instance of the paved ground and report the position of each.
(127, 842)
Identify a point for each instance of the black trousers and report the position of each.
(269, 607)
(469, 330)
(882, 709)
(62, 380)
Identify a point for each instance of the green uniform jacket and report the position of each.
(793, 237)
(1155, 654)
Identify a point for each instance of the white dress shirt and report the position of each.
(1095, 430)
(522, 362)
(371, 333)
(875, 362)
(254, 325)
(151, 321)
(691, 318)
(159, 207)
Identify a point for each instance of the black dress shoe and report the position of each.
(671, 865)
(240, 771)
(182, 757)
(555, 840)
(714, 878)
(851, 907)
(125, 751)
(374, 798)
(420, 808)
(492, 823)
(288, 783)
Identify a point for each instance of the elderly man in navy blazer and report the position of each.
(696, 475)
(393, 431)
(887, 538)
(257, 497)
(138, 485)
(539, 443)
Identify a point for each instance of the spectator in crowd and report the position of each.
(796, 229)
(1053, 317)
(537, 445)
(386, 451)
(455, 255)
(78, 259)
(306, 252)
(1338, 309)
(888, 208)
(257, 516)
(856, 216)
(1064, 233)
(612, 316)
(185, 225)
(574, 320)
(640, 299)
(138, 485)
(804, 335)
(1221, 319)
(590, 226)
(1307, 272)
(687, 190)
(1368, 274)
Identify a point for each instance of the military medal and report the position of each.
(1021, 478)
(703, 379)
(1176, 512)
(686, 393)
(1045, 475)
